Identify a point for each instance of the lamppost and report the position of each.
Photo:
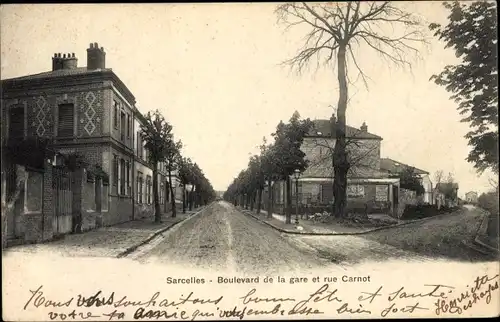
(296, 175)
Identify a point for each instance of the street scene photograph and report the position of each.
(249, 139)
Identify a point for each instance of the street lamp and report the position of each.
(296, 175)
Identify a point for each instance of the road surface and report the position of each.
(221, 238)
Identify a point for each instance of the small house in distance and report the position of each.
(393, 167)
(471, 197)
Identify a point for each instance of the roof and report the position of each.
(322, 128)
(393, 166)
(51, 77)
(60, 73)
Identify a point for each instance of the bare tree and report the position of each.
(438, 177)
(493, 183)
(336, 30)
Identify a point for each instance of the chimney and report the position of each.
(364, 128)
(68, 61)
(333, 125)
(96, 57)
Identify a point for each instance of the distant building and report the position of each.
(367, 185)
(471, 197)
(396, 167)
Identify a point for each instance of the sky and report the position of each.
(214, 71)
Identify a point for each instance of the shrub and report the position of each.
(489, 202)
(419, 211)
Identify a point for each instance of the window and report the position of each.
(16, 128)
(122, 125)
(115, 170)
(127, 181)
(139, 142)
(139, 187)
(128, 126)
(148, 189)
(326, 193)
(122, 177)
(116, 110)
(65, 120)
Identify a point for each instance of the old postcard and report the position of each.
(249, 161)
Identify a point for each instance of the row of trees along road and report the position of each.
(277, 161)
(159, 140)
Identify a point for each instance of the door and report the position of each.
(62, 222)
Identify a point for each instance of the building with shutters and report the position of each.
(96, 173)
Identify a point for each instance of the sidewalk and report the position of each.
(113, 241)
(308, 227)
(487, 244)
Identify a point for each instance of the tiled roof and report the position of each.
(59, 73)
(322, 128)
(393, 166)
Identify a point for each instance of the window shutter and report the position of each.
(66, 121)
(115, 167)
(128, 125)
(128, 179)
(16, 129)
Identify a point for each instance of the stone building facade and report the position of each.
(89, 117)
(368, 187)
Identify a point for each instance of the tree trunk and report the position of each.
(340, 162)
(172, 195)
(270, 196)
(191, 199)
(252, 200)
(183, 198)
(288, 201)
(155, 193)
(259, 200)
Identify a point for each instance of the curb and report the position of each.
(155, 234)
(482, 228)
(286, 231)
